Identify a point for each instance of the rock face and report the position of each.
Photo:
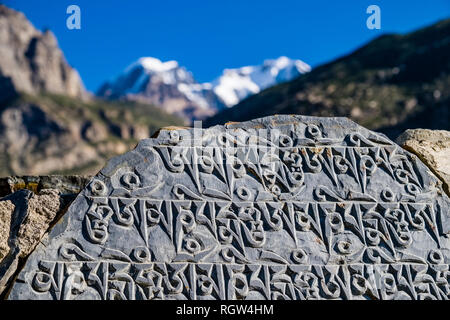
(31, 61)
(6, 211)
(433, 148)
(31, 204)
(26, 217)
(283, 207)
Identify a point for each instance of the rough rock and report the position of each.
(27, 224)
(29, 207)
(42, 210)
(6, 211)
(433, 148)
(282, 207)
(31, 60)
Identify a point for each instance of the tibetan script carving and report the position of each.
(283, 207)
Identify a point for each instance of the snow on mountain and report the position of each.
(172, 87)
(164, 84)
(236, 84)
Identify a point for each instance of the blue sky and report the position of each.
(208, 36)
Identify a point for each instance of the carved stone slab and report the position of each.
(283, 207)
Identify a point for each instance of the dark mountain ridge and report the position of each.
(392, 83)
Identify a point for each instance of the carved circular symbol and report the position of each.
(276, 190)
(174, 136)
(359, 284)
(244, 193)
(387, 195)
(237, 166)
(344, 246)
(225, 235)
(331, 289)
(402, 175)
(335, 220)
(367, 164)
(297, 178)
(436, 257)
(303, 220)
(205, 284)
(130, 180)
(206, 163)
(388, 281)
(98, 187)
(313, 131)
(153, 217)
(239, 283)
(192, 245)
(300, 256)
(187, 220)
(373, 236)
(42, 282)
(285, 141)
(141, 254)
(412, 189)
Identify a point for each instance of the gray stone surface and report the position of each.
(283, 207)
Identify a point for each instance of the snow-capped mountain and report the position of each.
(236, 84)
(164, 84)
(172, 87)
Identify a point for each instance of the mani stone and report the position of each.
(282, 207)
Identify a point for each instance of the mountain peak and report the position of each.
(235, 85)
(173, 87)
(152, 64)
(31, 60)
(390, 84)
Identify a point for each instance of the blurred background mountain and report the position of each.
(175, 90)
(50, 123)
(393, 83)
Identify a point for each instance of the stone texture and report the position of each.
(283, 207)
(6, 211)
(25, 217)
(433, 148)
(42, 210)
